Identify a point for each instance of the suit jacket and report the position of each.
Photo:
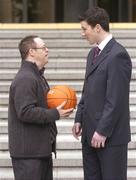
(29, 118)
(104, 105)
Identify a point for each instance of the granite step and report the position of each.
(4, 98)
(59, 63)
(79, 63)
(4, 112)
(54, 53)
(63, 74)
(51, 33)
(76, 84)
(65, 43)
(63, 173)
(64, 126)
(67, 142)
(59, 174)
(59, 53)
(66, 158)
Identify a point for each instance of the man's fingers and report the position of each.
(67, 112)
(62, 105)
(76, 130)
(103, 144)
(97, 144)
(98, 141)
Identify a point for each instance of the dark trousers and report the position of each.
(32, 169)
(109, 163)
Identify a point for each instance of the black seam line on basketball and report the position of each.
(61, 98)
(62, 91)
(73, 95)
(71, 99)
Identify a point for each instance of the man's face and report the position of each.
(88, 32)
(41, 52)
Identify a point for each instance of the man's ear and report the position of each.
(31, 52)
(98, 28)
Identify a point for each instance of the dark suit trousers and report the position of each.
(32, 169)
(109, 163)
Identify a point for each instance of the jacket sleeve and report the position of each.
(26, 104)
(79, 113)
(80, 109)
(117, 94)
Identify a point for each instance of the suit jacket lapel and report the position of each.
(100, 58)
(89, 61)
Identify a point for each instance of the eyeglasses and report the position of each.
(43, 48)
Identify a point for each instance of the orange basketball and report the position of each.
(59, 94)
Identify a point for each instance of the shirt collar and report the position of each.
(104, 42)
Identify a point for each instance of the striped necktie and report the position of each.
(96, 53)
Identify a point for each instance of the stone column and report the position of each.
(46, 11)
(73, 8)
(123, 10)
(5, 11)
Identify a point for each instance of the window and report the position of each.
(48, 11)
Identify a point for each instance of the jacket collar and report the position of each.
(32, 66)
(41, 71)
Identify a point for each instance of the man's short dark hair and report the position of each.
(96, 15)
(25, 44)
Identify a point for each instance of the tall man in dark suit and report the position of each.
(32, 128)
(103, 112)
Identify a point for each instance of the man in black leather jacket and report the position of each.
(29, 119)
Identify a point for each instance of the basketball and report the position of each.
(58, 94)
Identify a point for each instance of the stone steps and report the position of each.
(79, 74)
(58, 53)
(53, 64)
(67, 61)
(4, 98)
(63, 174)
(74, 63)
(69, 158)
(64, 126)
(66, 43)
(50, 74)
(64, 142)
(76, 84)
(4, 112)
(59, 174)
(60, 33)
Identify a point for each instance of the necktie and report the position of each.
(96, 53)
